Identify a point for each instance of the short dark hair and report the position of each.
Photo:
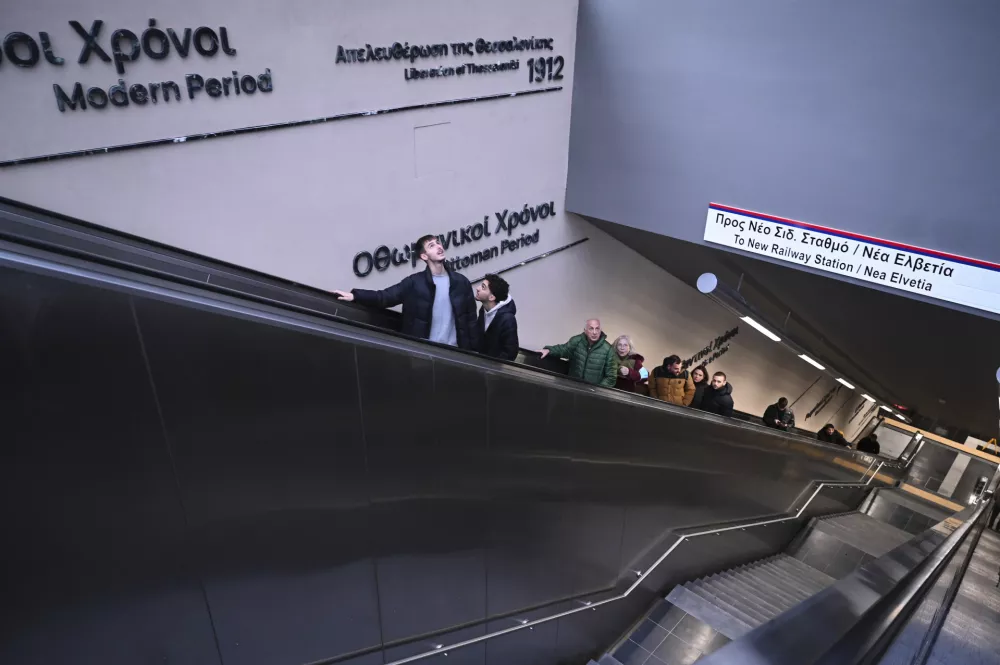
(782, 401)
(722, 374)
(498, 286)
(671, 360)
(420, 243)
(830, 426)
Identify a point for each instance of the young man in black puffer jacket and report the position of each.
(437, 303)
(497, 318)
(718, 396)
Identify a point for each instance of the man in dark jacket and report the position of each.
(437, 303)
(869, 444)
(718, 396)
(591, 357)
(497, 322)
(779, 416)
(829, 434)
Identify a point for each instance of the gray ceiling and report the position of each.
(910, 352)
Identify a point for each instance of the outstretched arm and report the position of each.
(384, 298)
(560, 350)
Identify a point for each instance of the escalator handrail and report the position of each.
(877, 627)
(27, 229)
(194, 296)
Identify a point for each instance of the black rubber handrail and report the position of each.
(875, 631)
(937, 621)
(47, 232)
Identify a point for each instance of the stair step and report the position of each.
(792, 579)
(863, 533)
(799, 591)
(770, 594)
(761, 597)
(819, 579)
(709, 612)
(725, 605)
(735, 600)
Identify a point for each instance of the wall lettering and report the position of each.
(539, 68)
(507, 221)
(123, 47)
(713, 350)
(823, 402)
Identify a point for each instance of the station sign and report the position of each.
(932, 273)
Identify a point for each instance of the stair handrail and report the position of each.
(641, 575)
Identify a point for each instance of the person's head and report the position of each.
(699, 374)
(873, 436)
(718, 380)
(782, 403)
(829, 428)
(623, 345)
(429, 249)
(493, 289)
(592, 329)
(673, 364)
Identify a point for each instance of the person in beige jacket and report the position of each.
(671, 383)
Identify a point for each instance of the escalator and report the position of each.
(699, 618)
(209, 466)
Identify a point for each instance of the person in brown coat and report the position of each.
(671, 383)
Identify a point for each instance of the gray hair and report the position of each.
(631, 347)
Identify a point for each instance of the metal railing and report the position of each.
(641, 575)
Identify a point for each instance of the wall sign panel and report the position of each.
(76, 84)
(929, 272)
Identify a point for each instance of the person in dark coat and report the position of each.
(497, 318)
(869, 444)
(779, 416)
(437, 303)
(700, 377)
(829, 434)
(718, 396)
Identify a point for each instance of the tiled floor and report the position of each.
(669, 636)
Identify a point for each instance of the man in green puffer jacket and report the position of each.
(591, 357)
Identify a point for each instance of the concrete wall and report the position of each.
(301, 202)
(298, 202)
(877, 118)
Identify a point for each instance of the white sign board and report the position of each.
(935, 274)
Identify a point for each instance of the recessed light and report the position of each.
(868, 397)
(761, 329)
(811, 361)
(845, 383)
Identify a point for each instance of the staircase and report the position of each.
(700, 616)
(736, 601)
(862, 532)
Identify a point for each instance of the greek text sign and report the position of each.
(935, 274)
(507, 221)
(106, 78)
